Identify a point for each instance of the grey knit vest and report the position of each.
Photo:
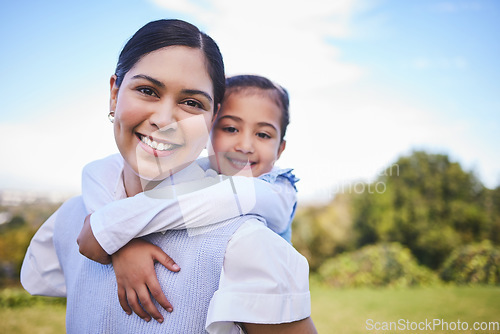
(92, 300)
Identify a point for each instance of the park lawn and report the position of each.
(39, 319)
(343, 311)
(348, 311)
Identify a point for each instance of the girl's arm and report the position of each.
(190, 205)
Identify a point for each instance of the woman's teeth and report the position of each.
(157, 146)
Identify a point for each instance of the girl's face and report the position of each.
(163, 111)
(246, 135)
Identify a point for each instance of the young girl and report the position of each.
(167, 86)
(247, 137)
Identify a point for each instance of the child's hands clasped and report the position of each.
(136, 278)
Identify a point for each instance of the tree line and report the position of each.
(423, 203)
(16, 233)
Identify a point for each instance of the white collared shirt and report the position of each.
(263, 279)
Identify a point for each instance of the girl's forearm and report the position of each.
(192, 205)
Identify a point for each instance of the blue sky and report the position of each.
(369, 81)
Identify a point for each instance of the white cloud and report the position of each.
(284, 40)
(360, 134)
(332, 17)
(49, 151)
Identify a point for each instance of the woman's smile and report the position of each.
(163, 111)
(156, 145)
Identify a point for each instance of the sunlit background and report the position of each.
(369, 81)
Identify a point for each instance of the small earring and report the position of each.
(111, 116)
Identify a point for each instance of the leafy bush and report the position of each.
(473, 264)
(387, 264)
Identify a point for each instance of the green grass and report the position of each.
(48, 319)
(333, 310)
(23, 313)
(347, 311)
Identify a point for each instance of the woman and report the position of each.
(167, 87)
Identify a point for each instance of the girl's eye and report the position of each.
(193, 103)
(229, 129)
(147, 91)
(263, 135)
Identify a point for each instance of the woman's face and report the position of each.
(163, 111)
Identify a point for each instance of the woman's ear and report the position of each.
(113, 90)
(281, 148)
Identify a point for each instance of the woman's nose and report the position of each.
(163, 117)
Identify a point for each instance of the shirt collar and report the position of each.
(190, 173)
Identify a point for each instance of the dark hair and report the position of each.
(162, 33)
(244, 83)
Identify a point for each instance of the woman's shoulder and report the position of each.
(73, 206)
(113, 162)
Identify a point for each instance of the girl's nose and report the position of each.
(245, 144)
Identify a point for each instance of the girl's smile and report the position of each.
(239, 162)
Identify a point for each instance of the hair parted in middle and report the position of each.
(170, 32)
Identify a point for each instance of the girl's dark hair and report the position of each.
(162, 33)
(245, 83)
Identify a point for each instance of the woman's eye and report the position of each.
(229, 129)
(193, 103)
(263, 135)
(147, 91)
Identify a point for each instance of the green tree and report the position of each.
(16, 234)
(430, 205)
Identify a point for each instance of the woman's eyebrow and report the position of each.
(195, 91)
(151, 79)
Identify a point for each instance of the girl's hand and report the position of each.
(89, 246)
(136, 278)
